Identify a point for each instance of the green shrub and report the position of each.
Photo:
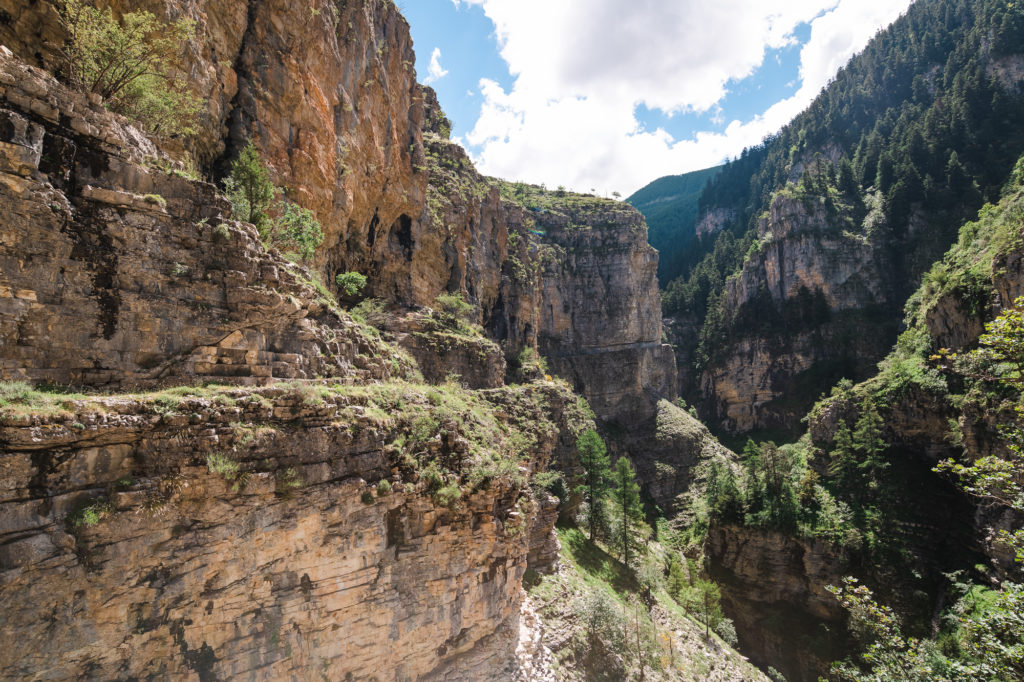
(370, 312)
(351, 283)
(292, 229)
(287, 482)
(133, 64)
(295, 231)
(454, 305)
(432, 478)
(222, 465)
(530, 365)
(90, 514)
(448, 495)
(366, 497)
(250, 189)
(384, 488)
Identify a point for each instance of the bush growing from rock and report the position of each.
(133, 63)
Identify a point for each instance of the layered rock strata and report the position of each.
(774, 590)
(810, 306)
(115, 273)
(249, 535)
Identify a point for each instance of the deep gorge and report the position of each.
(216, 463)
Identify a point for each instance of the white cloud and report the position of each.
(581, 68)
(435, 72)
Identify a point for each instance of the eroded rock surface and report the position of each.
(811, 306)
(289, 559)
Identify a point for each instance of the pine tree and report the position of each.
(843, 459)
(626, 497)
(870, 445)
(597, 471)
(677, 582)
(706, 602)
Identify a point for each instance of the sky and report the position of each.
(609, 95)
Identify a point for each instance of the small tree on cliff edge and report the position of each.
(626, 496)
(250, 189)
(597, 471)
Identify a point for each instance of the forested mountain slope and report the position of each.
(909, 481)
(669, 205)
(822, 232)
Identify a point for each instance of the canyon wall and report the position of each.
(774, 590)
(150, 558)
(246, 532)
(814, 302)
(330, 98)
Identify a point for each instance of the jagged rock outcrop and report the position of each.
(570, 274)
(668, 450)
(116, 273)
(714, 220)
(807, 309)
(600, 322)
(453, 350)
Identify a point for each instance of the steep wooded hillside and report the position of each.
(864, 491)
(818, 236)
(670, 206)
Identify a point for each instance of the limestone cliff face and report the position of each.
(328, 93)
(571, 275)
(228, 533)
(329, 96)
(238, 533)
(807, 309)
(774, 586)
(296, 562)
(117, 274)
(600, 315)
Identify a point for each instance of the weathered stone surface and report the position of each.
(117, 274)
(295, 567)
(442, 352)
(667, 451)
(812, 305)
(773, 583)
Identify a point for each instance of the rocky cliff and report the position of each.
(812, 304)
(232, 534)
(116, 273)
(264, 534)
(330, 98)
(319, 510)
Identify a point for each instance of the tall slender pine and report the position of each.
(597, 471)
(626, 496)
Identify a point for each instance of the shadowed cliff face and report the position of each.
(774, 590)
(812, 304)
